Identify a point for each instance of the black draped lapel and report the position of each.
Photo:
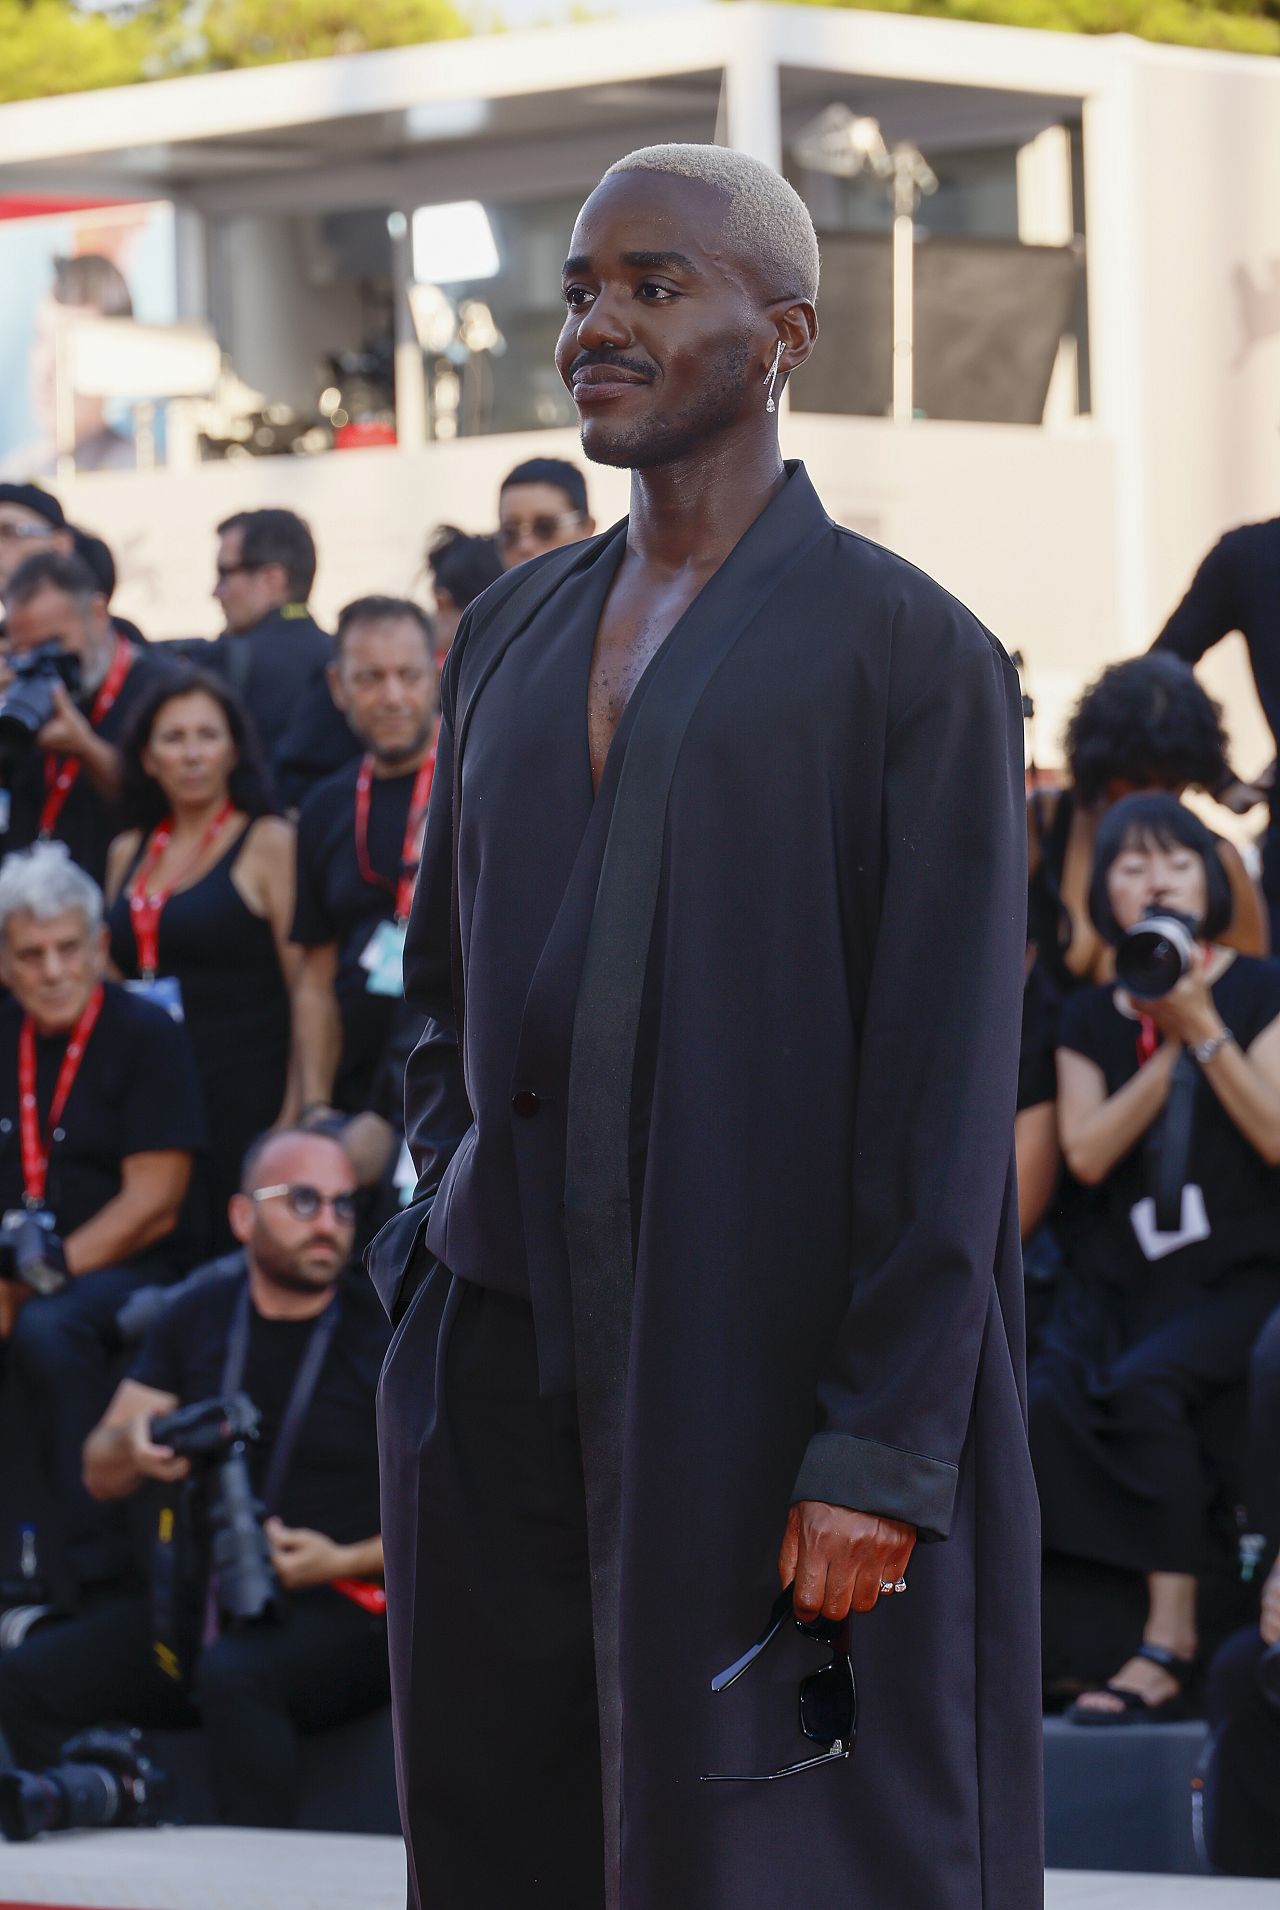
(598, 1220)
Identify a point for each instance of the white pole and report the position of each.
(904, 317)
(410, 371)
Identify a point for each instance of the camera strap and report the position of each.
(301, 1394)
(61, 773)
(34, 1143)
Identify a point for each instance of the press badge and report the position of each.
(164, 990)
(1194, 1225)
(383, 960)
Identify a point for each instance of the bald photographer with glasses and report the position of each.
(289, 1633)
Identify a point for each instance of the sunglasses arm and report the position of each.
(778, 1618)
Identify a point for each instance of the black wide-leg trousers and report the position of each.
(489, 1612)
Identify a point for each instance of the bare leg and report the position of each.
(1171, 1622)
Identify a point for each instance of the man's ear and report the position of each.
(333, 677)
(101, 950)
(240, 1213)
(797, 327)
(588, 526)
(64, 543)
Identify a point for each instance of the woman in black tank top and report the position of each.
(201, 896)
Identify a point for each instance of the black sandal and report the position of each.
(1135, 1707)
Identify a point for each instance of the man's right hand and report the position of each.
(152, 1461)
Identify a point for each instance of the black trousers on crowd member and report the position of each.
(1242, 1821)
(62, 1369)
(489, 1612)
(1264, 1434)
(252, 1691)
(1115, 1439)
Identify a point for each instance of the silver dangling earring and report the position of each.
(771, 378)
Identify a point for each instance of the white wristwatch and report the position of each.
(1204, 1051)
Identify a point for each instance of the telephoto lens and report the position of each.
(1154, 955)
(106, 1779)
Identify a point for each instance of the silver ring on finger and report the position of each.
(887, 1586)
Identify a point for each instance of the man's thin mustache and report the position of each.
(612, 360)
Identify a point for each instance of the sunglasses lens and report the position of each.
(305, 1202)
(344, 1207)
(826, 1705)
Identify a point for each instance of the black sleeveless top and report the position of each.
(235, 1004)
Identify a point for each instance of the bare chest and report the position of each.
(630, 635)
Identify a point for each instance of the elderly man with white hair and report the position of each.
(710, 1296)
(100, 1119)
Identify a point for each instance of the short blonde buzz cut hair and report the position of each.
(766, 221)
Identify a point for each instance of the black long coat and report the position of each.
(771, 1039)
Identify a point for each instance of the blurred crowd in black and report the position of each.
(1148, 1144)
(209, 851)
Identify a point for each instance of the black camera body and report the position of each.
(208, 1430)
(105, 1779)
(1153, 956)
(27, 704)
(30, 1251)
(214, 1434)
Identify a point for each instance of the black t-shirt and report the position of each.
(136, 1092)
(332, 1482)
(336, 905)
(1241, 1193)
(87, 822)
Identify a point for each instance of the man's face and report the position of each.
(386, 685)
(83, 628)
(664, 331)
(246, 593)
(533, 518)
(22, 534)
(301, 1252)
(51, 968)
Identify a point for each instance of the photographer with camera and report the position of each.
(69, 684)
(100, 1118)
(1169, 1112)
(272, 1622)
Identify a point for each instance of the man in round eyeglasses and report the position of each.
(278, 1326)
(542, 505)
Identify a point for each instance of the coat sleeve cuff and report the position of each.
(888, 1481)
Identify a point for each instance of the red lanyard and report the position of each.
(35, 1149)
(146, 905)
(402, 887)
(1148, 1033)
(62, 772)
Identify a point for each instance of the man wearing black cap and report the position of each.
(31, 520)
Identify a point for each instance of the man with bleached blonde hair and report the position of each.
(709, 1297)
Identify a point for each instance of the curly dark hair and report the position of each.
(1147, 723)
(143, 803)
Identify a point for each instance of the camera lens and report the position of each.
(67, 1797)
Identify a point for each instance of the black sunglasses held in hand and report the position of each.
(828, 1698)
